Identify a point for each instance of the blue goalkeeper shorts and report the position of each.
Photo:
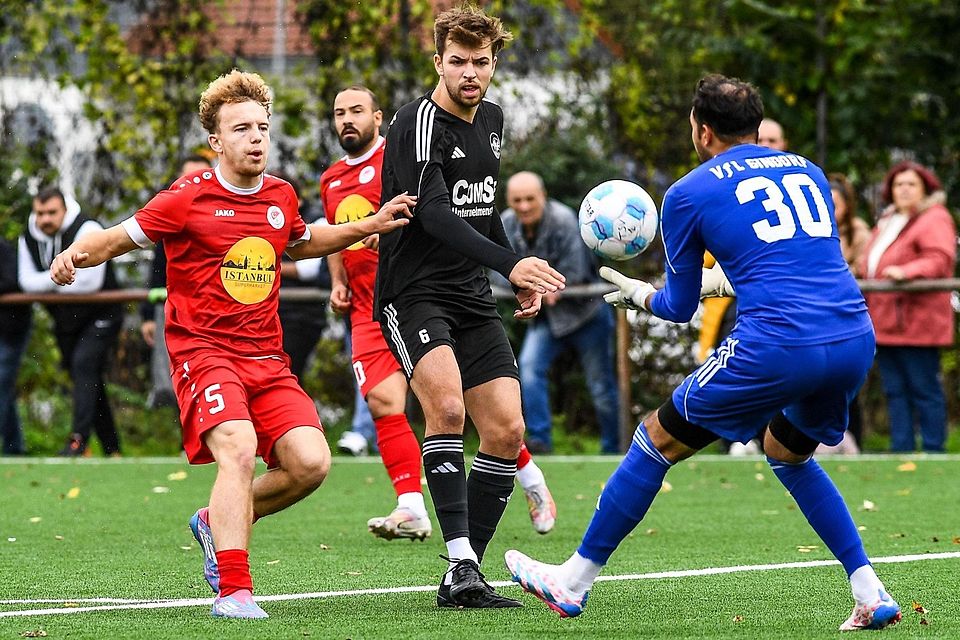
(744, 384)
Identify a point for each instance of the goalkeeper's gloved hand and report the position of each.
(714, 284)
(633, 294)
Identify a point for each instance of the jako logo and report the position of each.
(224, 213)
(466, 193)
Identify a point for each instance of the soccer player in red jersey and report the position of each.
(349, 189)
(224, 230)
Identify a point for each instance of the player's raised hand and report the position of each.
(631, 294)
(536, 274)
(394, 214)
(530, 302)
(714, 284)
(63, 269)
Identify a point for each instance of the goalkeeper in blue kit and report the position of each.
(801, 347)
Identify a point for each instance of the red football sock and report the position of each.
(400, 452)
(234, 567)
(525, 458)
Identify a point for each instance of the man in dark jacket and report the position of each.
(85, 333)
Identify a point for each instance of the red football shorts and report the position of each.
(372, 360)
(214, 388)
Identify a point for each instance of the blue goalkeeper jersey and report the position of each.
(767, 217)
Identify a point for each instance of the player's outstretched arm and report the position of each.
(537, 275)
(90, 250)
(330, 238)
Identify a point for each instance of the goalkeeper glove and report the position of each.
(714, 284)
(632, 293)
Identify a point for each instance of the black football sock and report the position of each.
(446, 478)
(489, 486)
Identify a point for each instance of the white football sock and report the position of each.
(413, 500)
(580, 573)
(458, 549)
(530, 475)
(865, 584)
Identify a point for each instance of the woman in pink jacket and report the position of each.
(915, 238)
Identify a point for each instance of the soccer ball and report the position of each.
(618, 220)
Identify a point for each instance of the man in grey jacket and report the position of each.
(537, 225)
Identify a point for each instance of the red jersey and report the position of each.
(223, 247)
(350, 190)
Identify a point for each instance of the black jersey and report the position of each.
(452, 166)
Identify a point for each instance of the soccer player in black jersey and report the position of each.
(434, 302)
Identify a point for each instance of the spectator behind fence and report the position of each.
(915, 238)
(540, 226)
(854, 233)
(14, 335)
(86, 333)
(302, 322)
(152, 313)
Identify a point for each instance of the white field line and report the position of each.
(703, 457)
(69, 606)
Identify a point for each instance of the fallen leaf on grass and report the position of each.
(177, 475)
(651, 532)
(35, 633)
(186, 548)
(806, 548)
(35, 519)
(73, 493)
(273, 562)
(956, 539)
(58, 537)
(907, 466)
(738, 618)
(868, 506)
(161, 489)
(919, 608)
(353, 573)
(861, 528)
(324, 547)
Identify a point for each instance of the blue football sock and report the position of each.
(821, 503)
(625, 498)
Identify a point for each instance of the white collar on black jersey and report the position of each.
(369, 154)
(235, 189)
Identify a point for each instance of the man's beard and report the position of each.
(458, 99)
(357, 143)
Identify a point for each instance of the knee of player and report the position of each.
(310, 470)
(449, 412)
(508, 436)
(239, 459)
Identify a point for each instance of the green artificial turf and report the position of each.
(118, 529)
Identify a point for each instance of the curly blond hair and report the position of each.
(469, 26)
(231, 88)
